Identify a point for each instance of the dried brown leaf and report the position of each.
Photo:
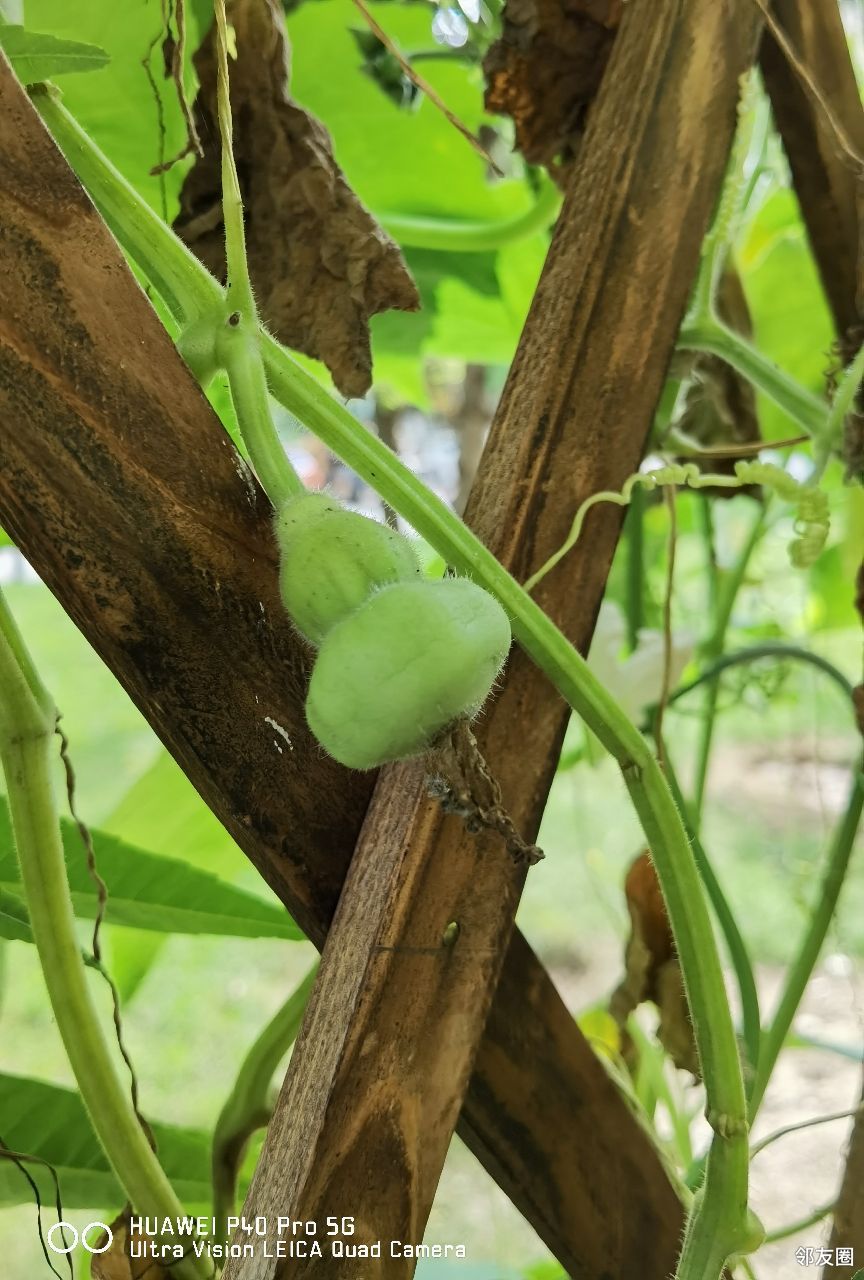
(651, 969)
(720, 404)
(545, 70)
(320, 264)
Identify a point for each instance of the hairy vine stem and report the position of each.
(718, 1225)
(27, 720)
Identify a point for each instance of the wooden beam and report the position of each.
(122, 490)
(827, 181)
(378, 1076)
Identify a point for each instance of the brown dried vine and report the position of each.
(461, 779)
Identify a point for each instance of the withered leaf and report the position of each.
(320, 264)
(720, 404)
(545, 70)
(115, 1263)
(651, 969)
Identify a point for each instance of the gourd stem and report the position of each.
(240, 295)
(717, 1227)
(238, 342)
(240, 356)
(679, 878)
(27, 722)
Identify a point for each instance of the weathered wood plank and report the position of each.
(378, 1076)
(118, 484)
(826, 181)
(829, 190)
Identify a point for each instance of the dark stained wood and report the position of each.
(117, 482)
(826, 181)
(379, 1073)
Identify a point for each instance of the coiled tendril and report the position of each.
(812, 522)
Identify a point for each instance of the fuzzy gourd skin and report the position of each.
(401, 668)
(332, 560)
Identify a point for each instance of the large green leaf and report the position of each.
(35, 56)
(791, 321)
(122, 107)
(473, 306)
(430, 168)
(149, 891)
(163, 812)
(49, 1122)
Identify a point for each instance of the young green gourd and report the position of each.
(399, 658)
(332, 559)
(394, 674)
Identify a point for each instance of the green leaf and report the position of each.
(163, 812)
(791, 321)
(149, 891)
(473, 305)
(49, 1122)
(14, 922)
(327, 78)
(35, 56)
(125, 109)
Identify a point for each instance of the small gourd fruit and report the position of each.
(401, 668)
(331, 560)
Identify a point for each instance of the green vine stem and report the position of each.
(27, 721)
(718, 1226)
(237, 341)
(712, 337)
(764, 1048)
(634, 535)
(189, 291)
(248, 1106)
(744, 167)
(841, 405)
(751, 1023)
(728, 586)
(811, 944)
(795, 1228)
(771, 649)
(465, 236)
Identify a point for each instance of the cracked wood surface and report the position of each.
(122, 490)
(381, 1067)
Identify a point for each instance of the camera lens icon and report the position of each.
(67, 1231)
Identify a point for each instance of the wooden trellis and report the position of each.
(149, 538)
